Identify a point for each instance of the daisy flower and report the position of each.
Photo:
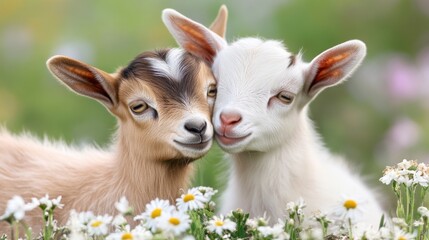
(389, 174)
(252, 223)
(265, 231)
(399, 234)
(349, 208)
(404, 177)
(207, 192)
(154, 210)
(423, 168)
(423, 211)
(407, 164)
(56, 202)
(278, 230)
(49, 204)
(85, 217)
(99, 225)
(220, 224)
(363, 231)
(78, 222)
(418, 223)
(311, 233)
(192, 199)
(136, 234)
(16, 209)
(119, 220)
(420, 178)
(75, 226)
(123, 206)
(174, 223)
(400, 222)
(296, 207)
(384, 233)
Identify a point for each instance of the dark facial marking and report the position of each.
(175, 90)
(292, 59)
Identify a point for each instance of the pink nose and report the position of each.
(230, 119)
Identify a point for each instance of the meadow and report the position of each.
(378, 117)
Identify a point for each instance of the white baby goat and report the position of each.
(261, 119)
(163, 102)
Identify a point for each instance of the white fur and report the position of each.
(281, 157)
(171, 66)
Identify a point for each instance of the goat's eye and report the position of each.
(285, 97)
(138, 107)
(212, 90)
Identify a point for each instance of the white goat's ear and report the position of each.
(192, 36)
(333, 66)
(219, 24)
(84, 79)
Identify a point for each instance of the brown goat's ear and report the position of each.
(192, 36)
(333, 66)
(219, 24)
(84, 79)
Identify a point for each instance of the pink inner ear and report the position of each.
(80, 72)
(207, 54)
(327, 67)
(196, 41)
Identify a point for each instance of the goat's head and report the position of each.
(262, 88)
(162, 99)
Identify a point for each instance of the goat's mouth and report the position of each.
(229, 141)
(194, 146)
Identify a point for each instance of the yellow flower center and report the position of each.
(127, 236)
(156, 213)
(188, 197)
(174, 221)
(96, 224)
(402, 238)
(350, 204)
(218, 223)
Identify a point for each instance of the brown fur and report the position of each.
(142, 163)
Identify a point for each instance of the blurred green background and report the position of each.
(377, 118)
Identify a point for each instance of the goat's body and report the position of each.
(162, 103)
(264, 182)
(260, 118)
(90, 178)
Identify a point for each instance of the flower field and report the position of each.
(194, 217)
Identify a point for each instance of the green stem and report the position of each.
(47, 228)
(424, 228)
(15, 230)
(28, 233)
(350, 229)
(407, 205)
(423, 193)
(324, 229)
(400, 206)
(412, 203)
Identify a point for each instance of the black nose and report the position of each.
(196, 127)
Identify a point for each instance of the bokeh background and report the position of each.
(377, 118)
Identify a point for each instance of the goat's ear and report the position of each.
(333, 66)
(219, 24)
(84, 79)
(192, 36)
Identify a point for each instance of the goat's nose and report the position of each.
(196, 127)
(230, 119)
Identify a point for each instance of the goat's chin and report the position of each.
(193, 151)
(233, 145)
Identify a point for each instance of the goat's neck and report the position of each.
(144, 171)
(285, 165)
